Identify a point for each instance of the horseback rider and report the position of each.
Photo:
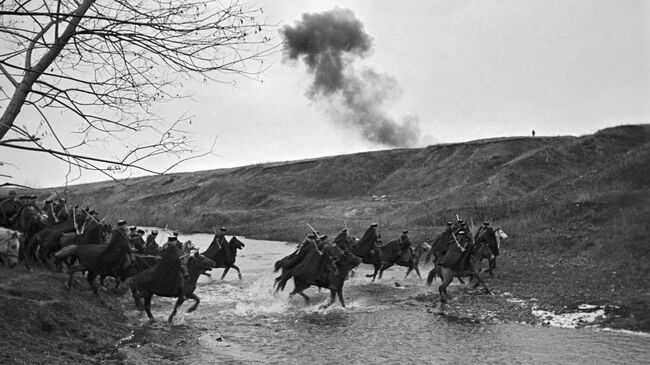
(128, 259)
(151, 246)
(220, 237)
(61, 210)
(138, 242)
(342, 240)
(170, 258)
(132, 232)
(8, 209)
(404, 243)
(483, 233)
(309, 240)
(457, 253)
(328, 261)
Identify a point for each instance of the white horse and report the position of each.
(500, 235)
(9, 246)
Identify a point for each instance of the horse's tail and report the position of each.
(428, 256)
(277, 266)
(432, 275)
(281, 281)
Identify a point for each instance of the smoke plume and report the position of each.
(328, 43)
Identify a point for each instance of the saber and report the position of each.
(313, 230)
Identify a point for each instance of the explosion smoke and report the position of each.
(328, 43)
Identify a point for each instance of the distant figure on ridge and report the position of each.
(533, 133)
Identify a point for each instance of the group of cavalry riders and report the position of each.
(451, 248)
(56, 212)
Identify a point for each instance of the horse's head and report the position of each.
(236, 243)
(199, 263)
(482, 251)
(425, 246)
(9, 246)
(348, 259)
(500, 233)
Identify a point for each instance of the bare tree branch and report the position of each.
(105, 64)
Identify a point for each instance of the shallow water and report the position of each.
(244, 322)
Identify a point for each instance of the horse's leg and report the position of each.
(238, 271)
(446, 277)
(331, 299)
(196, 302)
(179, 302)
(339, 292)
(91, 280)
(225, 271)
(136, 295)
(417, 270)
(374, 275)
(482, 282)
(307, 299)
(147, 307)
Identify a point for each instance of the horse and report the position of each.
(476, 252)
(48, 241)
(366, 248)
(391, 255)
(152, 281)
(224, 255)
(310, 271)
(9, 246)
(110, 259)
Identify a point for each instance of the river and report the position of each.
(244, 322)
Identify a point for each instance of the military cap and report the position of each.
(323, 237)
(172, 238)
(154, 232)
(405, 232)
(311, 235)
(374, 225)
(222, 229)
(175, 234)
(62, 200)
(345, 230)
(461, 221)
(93, 212)
(121, 222)
(133, 228)
(449, 223)
(486, 223)
(140, 231)
(48, 201)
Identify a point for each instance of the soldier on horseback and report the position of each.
(151, 246)
(61, 210)
(342, 240)
(8, 209)
(404, 243)
(138, 242)
(220, 237)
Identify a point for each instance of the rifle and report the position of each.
(313, 230)
(462, 249)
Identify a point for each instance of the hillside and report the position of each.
(575, 208)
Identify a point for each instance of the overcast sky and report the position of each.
(458, 70)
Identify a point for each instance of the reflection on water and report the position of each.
(245, 322)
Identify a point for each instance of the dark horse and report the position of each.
(392, 254)
(468, 265)
(29, 221)
(366, 248)
(164, 280)
(104, 260)
(310, 271)
(224, 255)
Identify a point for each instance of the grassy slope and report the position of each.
(576, 209)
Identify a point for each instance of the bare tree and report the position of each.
(106, 63)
